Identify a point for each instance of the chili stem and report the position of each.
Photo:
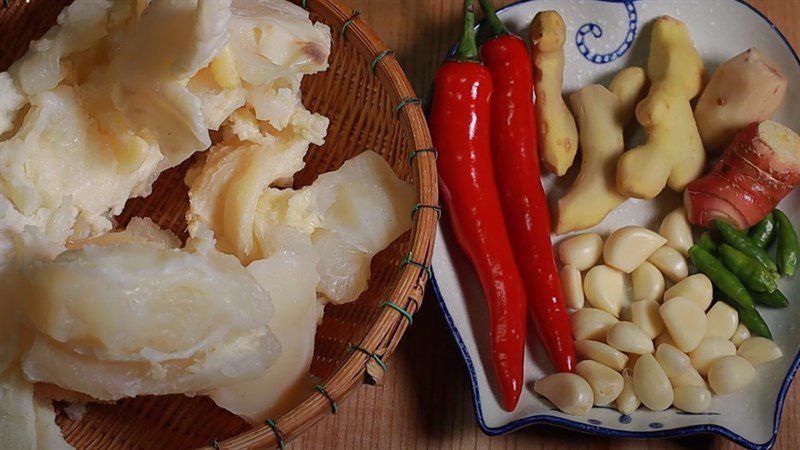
(496, 26)
(468, 47)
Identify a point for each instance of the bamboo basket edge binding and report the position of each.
(367, 364)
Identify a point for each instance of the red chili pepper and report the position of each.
(516, 165)
(459, 122)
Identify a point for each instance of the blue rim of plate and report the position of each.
(541, 419)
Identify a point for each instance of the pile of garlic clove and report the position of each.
(669, 346)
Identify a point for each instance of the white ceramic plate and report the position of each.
(602, 38)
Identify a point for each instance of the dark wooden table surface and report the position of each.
(426, 401)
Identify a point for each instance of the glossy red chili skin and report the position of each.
(459, 122)
(516, 165)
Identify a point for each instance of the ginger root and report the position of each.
(748, 88)
(757, 170)
(673, 154)
(557, 131)
(602, 115)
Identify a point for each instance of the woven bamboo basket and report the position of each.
(371, 105)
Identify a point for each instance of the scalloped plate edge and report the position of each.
(542, 419)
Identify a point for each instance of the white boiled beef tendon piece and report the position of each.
(131, 319)
(27, 422)
(290, 277)
(359, 209)
(275, 41)
(152, 92)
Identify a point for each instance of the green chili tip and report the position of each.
(788, 251)
(774, 299)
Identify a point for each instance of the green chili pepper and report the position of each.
(722, 277)
(750, 272)
(775, 299)
(707, 243)
(752, 320)
(788, 247)
(741, 242)
(747, 316)
(764, 231)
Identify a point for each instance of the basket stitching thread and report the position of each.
(374, 64)
(277, 431)
(215, 444)
(402, 311)
(404, 102)
(419, 206)
(351, 347)
(347, 22)
(304, 4)
(413, 154)
(334, 406)
(408, 261)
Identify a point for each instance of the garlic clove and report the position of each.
(670, 262)
(602, 353)
(628, 247)
(758, 350)
(685, 321)
(627, 401)
(604, 287)
(629, 338)
(740, 335)
(591, 324)
(581, 251)
(651, 384)
(573, 287)
(722, 321)
(674, 362)
(696, 287)
(606, 383)
(569, 392)
(645, 313)
(708, 351)
(730, 374)
(675, 228)
(693, 399)
(648, 282)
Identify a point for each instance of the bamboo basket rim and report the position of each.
(366, 365)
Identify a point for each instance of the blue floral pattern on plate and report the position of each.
(596, 31)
